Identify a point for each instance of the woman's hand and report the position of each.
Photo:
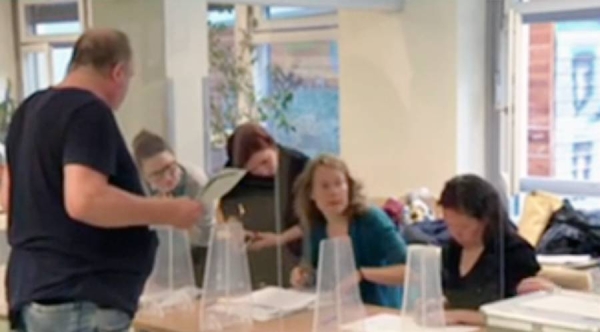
(453, 317)
(264, 240)
(300, 277)
(464, 317)
(428, 312)
(535, 284)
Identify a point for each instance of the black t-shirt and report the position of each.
(291, 163)
(56, 259)
(483, 283)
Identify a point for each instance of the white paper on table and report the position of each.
(563, 259)
(395, 323)
(272, 302)
(584, 305)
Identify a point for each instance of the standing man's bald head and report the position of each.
(101, 49)
(102, 63)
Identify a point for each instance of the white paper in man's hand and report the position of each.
(221, 184)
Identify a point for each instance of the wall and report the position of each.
(403, 102)
(142, 20)
(170, 53)
(186, 56)
(8, 61)
(471, 86)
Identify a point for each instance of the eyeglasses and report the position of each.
(168, 170)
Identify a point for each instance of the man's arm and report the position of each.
(90, 157)
(5, 189)
(91, 199)
(387, 275)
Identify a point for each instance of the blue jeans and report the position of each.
(72, 317)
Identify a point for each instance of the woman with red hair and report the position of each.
(263, 200)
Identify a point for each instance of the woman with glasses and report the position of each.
(164, 176)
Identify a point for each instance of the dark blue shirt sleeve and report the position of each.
(387, 239)
(91, 139)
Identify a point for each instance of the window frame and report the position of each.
(521, 15)
(24, 37)
(41, 48)
(269, 31)
(305, 12)
(27, 43)
(327, 20)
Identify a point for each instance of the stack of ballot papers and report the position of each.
(546, 311)
(274, 302)
(395, 323)
(575, 261)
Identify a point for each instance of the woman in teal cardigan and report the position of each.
(330, 204)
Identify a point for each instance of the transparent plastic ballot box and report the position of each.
(555, 311)
(4, 253)
(4, 246)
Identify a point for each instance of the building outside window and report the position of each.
(557, 117)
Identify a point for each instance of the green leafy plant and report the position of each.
(233, 95)
(7, 108)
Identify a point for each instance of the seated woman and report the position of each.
(163, 175)
(330, 204)
(263, 200)
(485, 260)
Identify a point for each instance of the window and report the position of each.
(289, 51)
(223, 101)
(58, 18)
(311, 70)
(278, 12)
(222, 16)
(556, 100)
(563, 101)
(582, 160)
(48, 31)
(61, 56)
(285, 19)
(36, 69)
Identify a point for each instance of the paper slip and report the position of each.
(582, 305)
(221, 184)
(563, 259)
(272, 302)
(395, 323)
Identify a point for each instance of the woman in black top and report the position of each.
(486, 259)
(263, 201)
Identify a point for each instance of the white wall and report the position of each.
(8, 60)
(169, 40)
(471, 86)
(186, 33)
(405, 109)
(143, 21)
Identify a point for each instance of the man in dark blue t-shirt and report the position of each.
(78, 223)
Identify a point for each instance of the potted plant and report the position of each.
(7, 108)
(233, 94)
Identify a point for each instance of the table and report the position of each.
(187, 320)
